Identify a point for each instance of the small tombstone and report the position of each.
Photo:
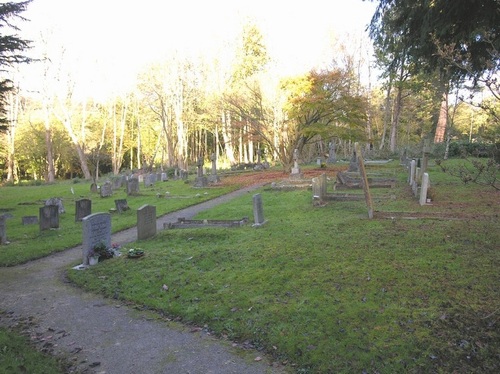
(164, 177)
(93, 188)
(201, 180)
(56, 201)
(117, 183)
(141, 178)
(121, 205)
(146, 222)
(149, 180)
(49, 217)
(96, 229)
(319, 189)
(258, 211)
(3, 230)
(29, 220)
(83, 208)
(184, 174)
(107, 189)
(132, 186)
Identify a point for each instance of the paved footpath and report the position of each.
(105, 336)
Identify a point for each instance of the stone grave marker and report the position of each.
(96, 229)
(213, 177)
(319, 189)
(332, 156)
(107, 189)
(258, 211)
(146, 222)
(353, 163)
(49, 217)
(149, 180)
(164, 177)
(83, 208)
(132, 186)
(121, 205)
(3, 230)
(141, 178)
(423, 189)
(413, 168)
(201, 180)
(296, 174)
(29, 220)
(117, 183)
(56, 201)
(93, 188)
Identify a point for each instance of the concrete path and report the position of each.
(104, 336)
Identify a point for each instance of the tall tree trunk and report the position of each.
(443, 118)
(227, 137)
(48, 144)
(395, 120)
(13, 113)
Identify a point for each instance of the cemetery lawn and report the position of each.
(17, 355)
(29, 243)
(325, 289)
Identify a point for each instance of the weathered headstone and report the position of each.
(121, 205)
(29, 220)
(332, 156)
(146, 222)
(201, 180)
(93, 188)
(96, 230)
(3, 230)
(423, 189)
(213, 177)
(117, 183)
(353, 164)
(132, 186)
(258, 211)
(141, 178)
(164, 177)
(107, 189)
(49, 217)
(83, 208)
(296, 174)
(149, 180)
(56, 201)
(319, 189)
(413, 168)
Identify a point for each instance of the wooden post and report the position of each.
(364, 179)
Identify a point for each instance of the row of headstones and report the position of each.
(97, 226)
(419, 181)
(131, 184)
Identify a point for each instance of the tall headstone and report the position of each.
(3, 230)
(213, 177)
(332, 156)
(29, 220)
(117, 183)
(296, 174)
(413, 169)
(164, 177)
(132, 186)
(83, 208)
(423, 189)
(49, 217)
(354, 163)
(258, 211)
(201, 180)
(146, 222)
(96, 230)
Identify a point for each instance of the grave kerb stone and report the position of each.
(29, 220)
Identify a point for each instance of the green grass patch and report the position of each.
(28, 242)
(327, 289)
(18, 355)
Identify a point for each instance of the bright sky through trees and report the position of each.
(107, 42)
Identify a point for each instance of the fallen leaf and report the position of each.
(165, 287)
(258, 358)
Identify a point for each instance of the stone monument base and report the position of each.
(201, 182)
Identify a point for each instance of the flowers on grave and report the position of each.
(101, 251)
(135, 252)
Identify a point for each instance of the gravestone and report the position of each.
(164, 177)
(117, 183)
(146, 222)
(83, 208)
(107, 189)
(258, 211)
(121, 205)
(149, 180)
(56, 201)
(353, 164)
(413, 168)
(93, 188)
(141, 178)
(319, 189)
(29, 220)
(423, 189)
(213, 177)
(201, 180)
(3, 230)
(49, 217)
(332, 156)
(296, 174)
(96, 229)
(132, 186)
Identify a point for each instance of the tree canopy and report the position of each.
(11, 48)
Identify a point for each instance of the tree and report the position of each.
(11, 48)
(467, 29)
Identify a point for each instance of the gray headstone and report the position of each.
(56, 201)
(146, 222)
(201, 182)
(117, 183)
(423, 189)
(96, 229)
(3, 230)
(258, 210)
(121, 205)
(164, 177)
(107, 189)
(353, 164)
(93, 188)
(149, 180)
(83, 208)
(332, 157)
(133, 186)
(319, 188)
(49, 217)
(29, 220)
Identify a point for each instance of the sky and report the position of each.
(107, 42)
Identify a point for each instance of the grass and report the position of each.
(325, 289)
(328, 290)
(17, 355)
(28, 242)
